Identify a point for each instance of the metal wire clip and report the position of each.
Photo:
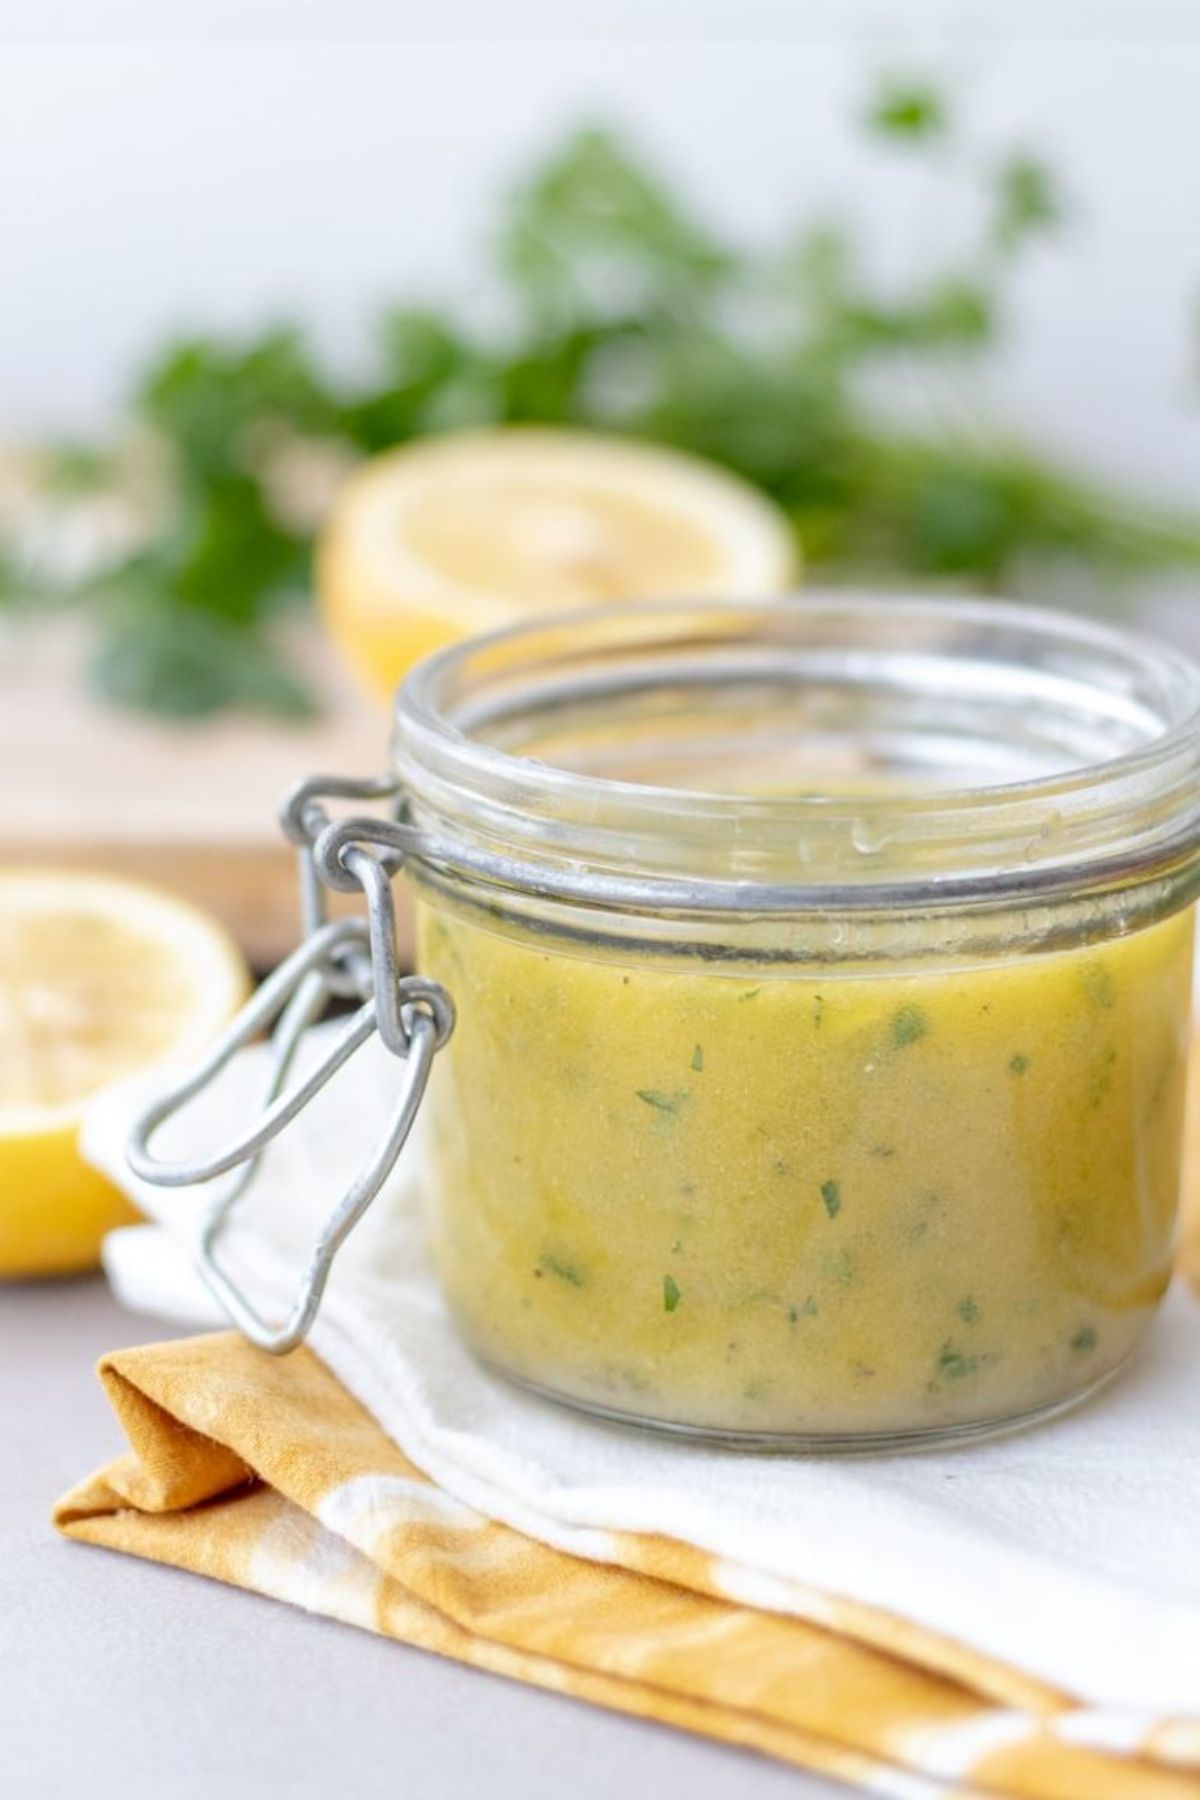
(345, 958)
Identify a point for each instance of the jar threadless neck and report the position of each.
(822, 753)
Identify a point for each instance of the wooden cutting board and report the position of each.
(190, 805)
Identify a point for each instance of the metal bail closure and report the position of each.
(414, 1018)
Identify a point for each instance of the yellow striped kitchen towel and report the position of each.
(267, 1474)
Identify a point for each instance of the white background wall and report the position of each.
(166, 164)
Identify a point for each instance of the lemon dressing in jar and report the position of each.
(822, 975)
(801, 1016)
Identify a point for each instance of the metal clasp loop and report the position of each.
(357, 956)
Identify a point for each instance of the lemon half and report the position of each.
(475, 530)
(99, 978)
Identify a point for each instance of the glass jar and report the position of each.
(822, 972)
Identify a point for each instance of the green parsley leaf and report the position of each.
(909, 109)
(908, 1026)
(1028, 200)
(670, 1104)
(956, 1364)
(569, 1272)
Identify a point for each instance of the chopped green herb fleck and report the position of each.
(781, 1166)
(750, 994)
(698, 1060)
(908, 1025)
(917, 1226)
(616, 1378)
(881, 1152)
(566, 1271)
(955, 1364)
(676, 1247)
(669, 1104)
(807, 1311)
(1100, 986)
(1084, 1340)
(841, 1267)
(831, 1194)
(968, 1310)
(818, 1010)
(1018, 1065)
(671, 1294)
(1100, 1080)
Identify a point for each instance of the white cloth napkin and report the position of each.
(1071, 1550)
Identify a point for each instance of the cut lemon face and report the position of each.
(100, 978)
(472, 531)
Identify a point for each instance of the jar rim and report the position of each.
(574, 831)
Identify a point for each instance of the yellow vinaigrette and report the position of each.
(789, 1201)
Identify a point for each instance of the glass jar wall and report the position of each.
(823, 985)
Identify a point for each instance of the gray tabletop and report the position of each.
(121, 1680)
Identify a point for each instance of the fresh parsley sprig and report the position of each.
(624, 311)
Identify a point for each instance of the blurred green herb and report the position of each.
(1027, 200)
(623, 312)
(906, 108)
